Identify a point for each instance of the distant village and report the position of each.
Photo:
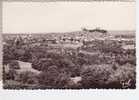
(75, 40)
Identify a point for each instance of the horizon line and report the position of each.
(59, 32)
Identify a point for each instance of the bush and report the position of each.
(10, 75)
(52, 78)
(62, 80)
(42, 64)
(95, 76)
(8, 53)
(109, 76)
(123, 74)
(27, 77)
(49, 77)
(9, 70)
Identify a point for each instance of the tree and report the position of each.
(49, 78)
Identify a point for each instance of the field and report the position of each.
(73, 60)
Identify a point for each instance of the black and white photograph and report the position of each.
(69, 45)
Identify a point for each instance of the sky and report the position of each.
(37, 17)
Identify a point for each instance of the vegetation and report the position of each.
(104, 65)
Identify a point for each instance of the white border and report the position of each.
(90, 94)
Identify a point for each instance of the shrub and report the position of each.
(42, 64)
(49, 77)
(9, 70)
(96, 76)
(123, 74)
(62, 80)
(8, 53)
(52, 78)
(10, 75)
(27, 77)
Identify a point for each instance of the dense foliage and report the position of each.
(108, 66)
